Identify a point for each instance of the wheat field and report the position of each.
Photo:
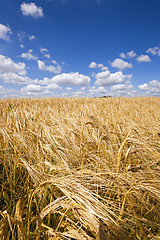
(86, 168)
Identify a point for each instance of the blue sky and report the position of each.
(81, 48)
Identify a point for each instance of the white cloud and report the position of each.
(83, 88)
(122, 55)
(22, 46)
(68, 89)
(143, 58)
(28, 55)
(72, 79)
(144, 86)
(7, 92)
(121, 64)
(50, 68)
(54, 62)
(30, 9)
(45, 81)
(131, 54)
(151, 88)
(7, 65)
(154, 51)
(53, 86)
(102, 75)
(124, 89)
(47, 56)
(31, 88)
(93, 65)
(100, 65)
(32, 37)
(43, 50)
(107, 79)
(5, 31)
(121, 87)
(78, 94)
(104, 68)
(14, 78)
(98, 91)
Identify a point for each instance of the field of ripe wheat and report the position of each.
(80, 168)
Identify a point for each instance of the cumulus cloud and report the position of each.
(7, 65)
(30, 9)
(144, 86)
(68, 89)
(154, 51)
(93, 65)
(122, 55)
(5, 32)
(98, 91)
(14, 78)
(53, 86)
(43, 50)
(32, 37)
(8, 92)
(121, 87)
(54, 62)
(83, 88)
(143, 58)
(103, 68)
(131, 54)
(151, 88)
(47, 56)
(121, 64)
(28, 55)
(72, 79)
(102, 75)
(50, 68)
(100, 65)
(108, 79)
(31, 88)
(34, 90)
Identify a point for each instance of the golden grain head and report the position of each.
(80, 168)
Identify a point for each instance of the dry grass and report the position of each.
(80, 168)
